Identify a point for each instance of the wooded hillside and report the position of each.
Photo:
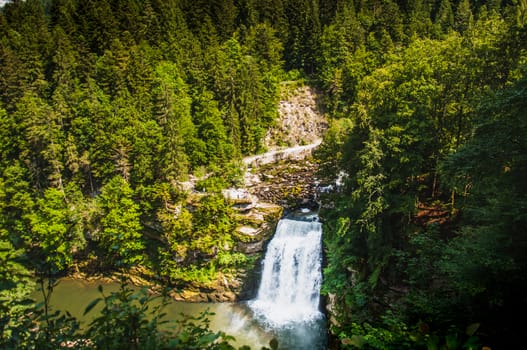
(108, 106)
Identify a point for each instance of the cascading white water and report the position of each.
(290, 285)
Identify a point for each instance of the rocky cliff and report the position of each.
(300, 121)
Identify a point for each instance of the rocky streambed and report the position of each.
(269, 191)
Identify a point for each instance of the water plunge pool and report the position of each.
(286, 308)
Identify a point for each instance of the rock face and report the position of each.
(300, 121)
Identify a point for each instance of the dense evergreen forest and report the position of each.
(108, 106)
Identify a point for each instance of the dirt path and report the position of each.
(290, 153)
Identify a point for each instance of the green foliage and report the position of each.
(126, 321)
(212, 184)
(16, 285)
(494, 200)
(211, 130)
(146, 91)
(57, 229)
(204, 275)
(230, 259)
(214, 215)
(200, 241)
(15, 202)
(120, 236)
(172, 110)
(250, 105)
(331, 151)
(431, 201)
(397, 336)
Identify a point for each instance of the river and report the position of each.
(286, 308)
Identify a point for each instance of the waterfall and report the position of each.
(291, 278)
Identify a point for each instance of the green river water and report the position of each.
(233, 318)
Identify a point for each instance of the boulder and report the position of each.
(250, 248)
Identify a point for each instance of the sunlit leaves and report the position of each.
(53, 230)
(120, 236)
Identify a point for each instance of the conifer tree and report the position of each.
(120, 228)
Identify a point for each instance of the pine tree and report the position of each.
(172, 112)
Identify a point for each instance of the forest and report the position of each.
(108, 106)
